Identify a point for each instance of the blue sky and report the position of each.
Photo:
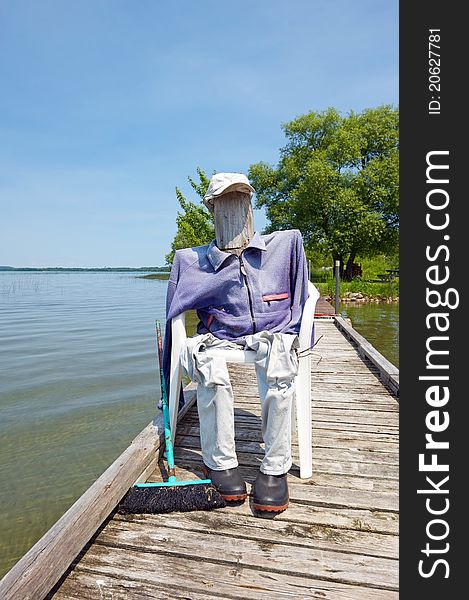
(107, 105)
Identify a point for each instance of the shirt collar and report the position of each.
(217, 257)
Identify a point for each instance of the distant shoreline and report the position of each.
(85, 269)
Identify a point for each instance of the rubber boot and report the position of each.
(229, 483)
(270, 492)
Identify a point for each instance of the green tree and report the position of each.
(336, 181)
(194, 223)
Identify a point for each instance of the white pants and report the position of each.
(276, 366)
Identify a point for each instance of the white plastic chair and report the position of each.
(302, 407)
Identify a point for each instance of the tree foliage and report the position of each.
(194, 223)
(336, 181)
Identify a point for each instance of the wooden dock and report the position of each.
(323, 307)
(338, 539)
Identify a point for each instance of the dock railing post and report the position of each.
(337, 285)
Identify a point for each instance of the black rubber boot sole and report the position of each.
(269, 507)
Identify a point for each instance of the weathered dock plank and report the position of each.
(125, 574)
(348, 454)
(337, 540)
(212, 545)
(187, 456)
(323, 438)
(295, 534)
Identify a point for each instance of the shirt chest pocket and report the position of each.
(274, 302)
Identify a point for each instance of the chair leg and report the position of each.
(303, 386)
(303, 417)
(175, 375)
(175, 387)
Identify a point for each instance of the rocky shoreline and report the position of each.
(358, 297)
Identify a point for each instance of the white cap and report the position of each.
(221, 183)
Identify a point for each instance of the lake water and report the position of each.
(79, 380)
(379, 323)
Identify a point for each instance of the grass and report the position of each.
(370, 289)
(161, 276)
(369, 285)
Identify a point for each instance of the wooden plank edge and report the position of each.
(36, 573)
(389, 373)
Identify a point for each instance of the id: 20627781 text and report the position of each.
(434, 70)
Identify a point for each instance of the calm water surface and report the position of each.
(78, 380)
(379, 323)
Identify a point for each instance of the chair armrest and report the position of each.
(178, 327)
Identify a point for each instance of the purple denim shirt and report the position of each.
(264, 289)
